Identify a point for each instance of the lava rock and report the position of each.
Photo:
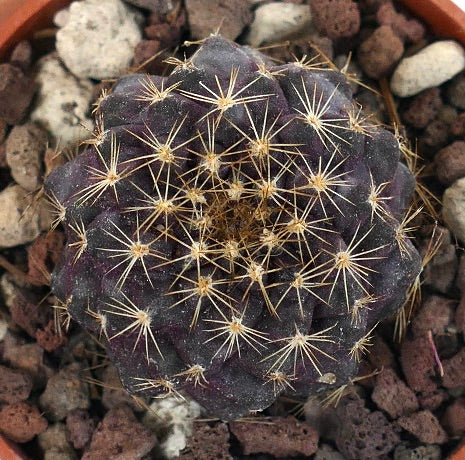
(55, 445)
(392, 395)
(25, 311)
(457, 128)
(380, 355)
(362, 434)
(454, 371)
(450, 162)
(113, 394)
(21, 421)
(206, 17)
(278, 436)
(28, 357)
(379, 52)
(157, 6)
(418, 364)
(409, 30)
(435, 315)
(120, 436)
(65, 391)
(453, 419)
(418, 453)
(16, 92)
(15, 385)
(21, 55)
(432, 400)
(434, 137)
(79, 428)
(456, 91)
(425, 426)
(208, 442)
(336, 18)
(423, 108)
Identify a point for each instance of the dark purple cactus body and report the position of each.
(235, 230)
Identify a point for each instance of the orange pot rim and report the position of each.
(444, 17)
(22, 19)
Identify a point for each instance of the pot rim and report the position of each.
(444, 17)
(22, 17)
(19, 19)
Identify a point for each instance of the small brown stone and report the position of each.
(457, 128)
(454, 371)
(392, 395)
(65, 391)
(157, 6)
(15, 385)
(27, 313)
(336, 18)
(21, 421)
(145, 53)
(410, 30)
(460, 315)
(79, 428)
(49, 338)
(433, 399)
(439, 273)
(207, 442)
(454, 418)
(21, 55)
(425, 426)
(16, 92)
(120, 436)
(434, 137)
(28, 357)
(418, 364)
(423, 108)
(435, 314)
(206, 17)
(362, 434)
(380, 354)
(278, 436)
(450, 162)
(379, 52)
(43, 254)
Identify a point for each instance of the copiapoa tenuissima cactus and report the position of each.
(235, 230)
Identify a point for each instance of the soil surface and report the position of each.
(60, 398)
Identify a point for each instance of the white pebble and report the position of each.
(278, 21)
(62, 102)
(432, 66)
(98, 38)
(453, 210)
(172, 419)
(21, 219)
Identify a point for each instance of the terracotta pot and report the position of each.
(9, 451)
(445, 18)
(20, 18)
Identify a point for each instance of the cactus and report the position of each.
(235, 230)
